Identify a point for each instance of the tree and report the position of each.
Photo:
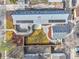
(5, 46)
(38, 36)
(13, 1)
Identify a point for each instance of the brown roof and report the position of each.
(77, 11)
(9, 22)
(49, 32)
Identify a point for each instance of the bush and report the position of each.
(13, 1)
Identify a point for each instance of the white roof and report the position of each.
(58, 56)
(42, 18)
(54, 0)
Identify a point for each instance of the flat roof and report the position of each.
(58, 54)
(39, 11)
(55, 0)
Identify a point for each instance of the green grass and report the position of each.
(13, 1)
(39, 1)
(5, 46)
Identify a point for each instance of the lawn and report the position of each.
(39, 1)
(13, 1)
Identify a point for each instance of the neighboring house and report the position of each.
(55, 0)
(76, 13)
(2, 13)
(15, 7)
(73, 3)
(46, 56)
(21, 1)
(58, 56)
(58, 4)
(77, 30)
(31, 56)
(75, 53)
(37, 56)
(1, 1)
(35, 49)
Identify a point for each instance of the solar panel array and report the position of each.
(38, 11)
(61, 28)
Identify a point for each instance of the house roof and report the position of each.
(31, 56)
(74, 2)
(55, 0)
(58, 56)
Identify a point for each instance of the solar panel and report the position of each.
(61, 28)
(39, 11)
